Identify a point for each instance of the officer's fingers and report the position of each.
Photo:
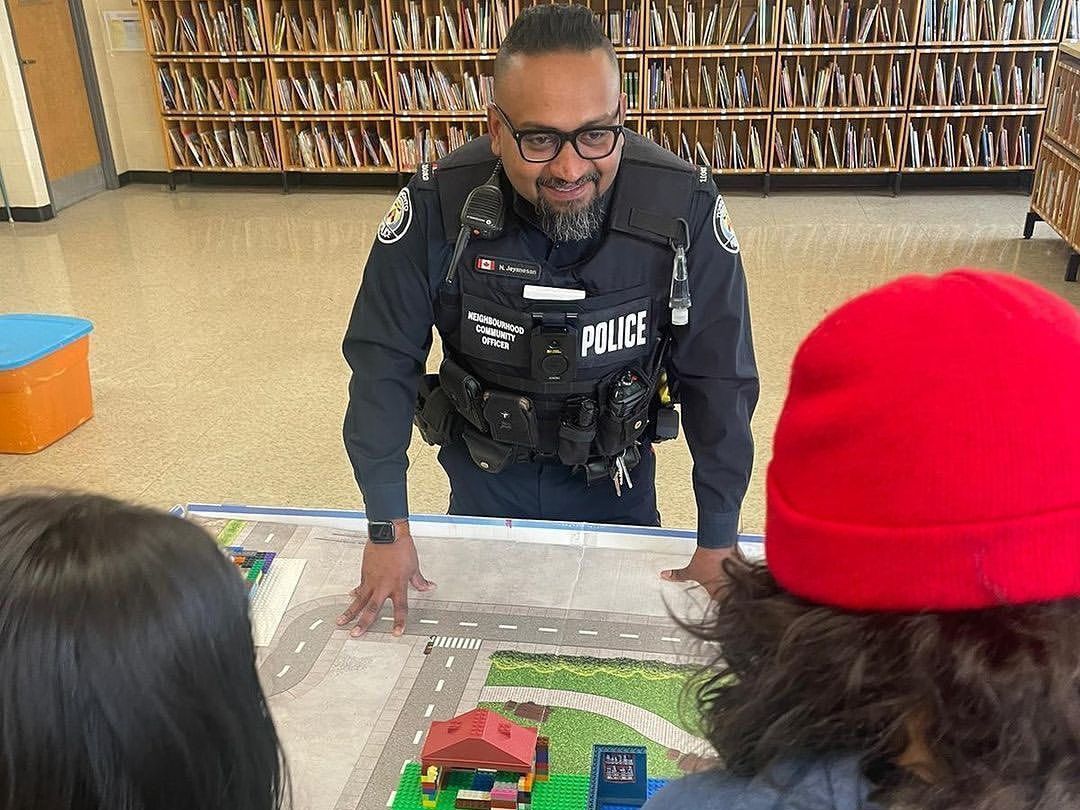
(368, 614)
(676, 575)
(401, 610)
(420, 583)
(360, 596)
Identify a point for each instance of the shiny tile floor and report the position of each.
(218, 317)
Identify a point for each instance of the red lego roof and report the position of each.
(480, 739)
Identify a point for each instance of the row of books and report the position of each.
(713, 88)
(183, 91)
(314, 94)
(631, 85)
(835, 87)
(434, 90)
(1063, 112)
(871, 148)
(1073, 31)
(418, 30)
(953, 88)
(326, 147)
(739, 151)
(718, 25)
(225, 27)
(340, 29)
(233, 146)
(427, 147)
(995, 150)
(851, 24)
(976, 20)
(622, 25)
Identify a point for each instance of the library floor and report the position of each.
(218, 317)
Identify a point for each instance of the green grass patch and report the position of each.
(655, 686)
(229, 532)
(573, 733)
(560, 792)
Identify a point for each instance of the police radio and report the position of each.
(481, 215)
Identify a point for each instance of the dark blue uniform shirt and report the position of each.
(390, 334)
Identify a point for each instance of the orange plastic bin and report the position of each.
(44, 379)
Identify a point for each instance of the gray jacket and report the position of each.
(834, 783)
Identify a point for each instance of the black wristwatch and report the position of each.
(381, 531)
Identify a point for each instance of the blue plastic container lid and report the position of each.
(26, 338)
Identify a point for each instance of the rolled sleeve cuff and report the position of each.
(387, 501)
(717, 529)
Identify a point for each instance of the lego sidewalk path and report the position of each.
(353, 713)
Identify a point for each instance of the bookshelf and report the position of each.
(1055, 196)
(747, 87)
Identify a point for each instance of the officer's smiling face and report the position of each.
(562, 91)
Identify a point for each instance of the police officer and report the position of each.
(582, 279)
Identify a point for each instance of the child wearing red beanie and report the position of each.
(913, 639)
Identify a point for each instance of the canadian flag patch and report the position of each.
(485, 264)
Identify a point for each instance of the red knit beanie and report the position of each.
(928, 454)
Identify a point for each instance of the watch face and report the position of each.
(381, 532)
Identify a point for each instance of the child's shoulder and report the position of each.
(831, 783)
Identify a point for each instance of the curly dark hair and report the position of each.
(993, 695)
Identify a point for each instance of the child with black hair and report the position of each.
(913, 640)
(127, 670)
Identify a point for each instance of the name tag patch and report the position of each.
(494, 333)
(614, 334)
(512, 268)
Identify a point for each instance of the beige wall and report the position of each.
(127, 93)
(20, 161)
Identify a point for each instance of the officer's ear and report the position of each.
(495, 126)
(622, 108)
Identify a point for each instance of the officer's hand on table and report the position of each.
(386, 572)
(706, 567)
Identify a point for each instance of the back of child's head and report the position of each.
(127, 670)
(920, 600)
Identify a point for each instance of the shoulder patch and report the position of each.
(397, 219)
(427, 170)
(704, 176)
(725, 234)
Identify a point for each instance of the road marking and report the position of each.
(404, 765)
(508, 627)
(449, 662)
(300, 647)
(547, 630)
(393, 795)
(458, 642)
(284, 669)
(468, 624)
(417, 738)
(430, 709)
(629, 635)
(269, 537)
(429, 621)
(386, 618)
(440, 685)
(670, 638)
(315, 624)
(587, 632)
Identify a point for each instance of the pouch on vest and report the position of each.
(435, 415)
(577, 429)
(465, 391)
(625, 413)
(487, 454)
(511, 418)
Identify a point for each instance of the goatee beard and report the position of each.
(571, 224)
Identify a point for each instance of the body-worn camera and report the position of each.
(554, 353)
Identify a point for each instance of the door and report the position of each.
(56, 89)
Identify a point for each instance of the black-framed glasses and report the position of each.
(542, 145)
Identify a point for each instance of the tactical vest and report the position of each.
(519, 370)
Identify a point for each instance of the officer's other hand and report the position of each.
(386, 573)
(706, 567)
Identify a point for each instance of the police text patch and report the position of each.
(615, 334)
(512, 268)
(725, 234)
(397, 219)
(494, 333)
